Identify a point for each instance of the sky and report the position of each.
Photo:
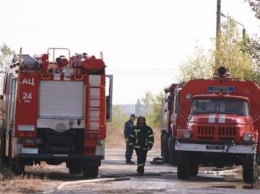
(143, 41)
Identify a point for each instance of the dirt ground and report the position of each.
(38, 177)
(158, 179)
(117, 177)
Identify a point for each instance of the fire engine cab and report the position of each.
(55, 109)
(213, 122)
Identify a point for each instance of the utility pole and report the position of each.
(218, 16)
(218, 31)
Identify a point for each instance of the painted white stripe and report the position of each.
(212, 118)
(222, 118)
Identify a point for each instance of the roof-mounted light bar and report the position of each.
(221, 89)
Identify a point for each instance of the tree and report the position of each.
(115, 128)
(5, 57)
(253, 43)
(197, 66)
(157, 110)
(5, 61)
(255, 6)
(118, 117)
(152, 109)
(230, 54)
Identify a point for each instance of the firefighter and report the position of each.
(141, 139)
(129, 125)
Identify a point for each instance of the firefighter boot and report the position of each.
(140, 170)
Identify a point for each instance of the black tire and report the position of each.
(4, 159)
(165, 147)
(173, 154)
(17, 167)
(75, 170)
(194, 168)
(183, 167)
(90, 171)
(250, 169)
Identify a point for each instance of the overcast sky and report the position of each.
(143, 41)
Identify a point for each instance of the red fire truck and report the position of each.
(168, 152)
(213, 122)
(55, 109)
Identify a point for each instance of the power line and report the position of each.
(142, 71)
(148, 69)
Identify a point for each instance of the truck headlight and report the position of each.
(64, 69)
(247, 137)
(100, 142)
(186, 134)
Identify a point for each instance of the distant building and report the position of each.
(128, 109)
(136, 109)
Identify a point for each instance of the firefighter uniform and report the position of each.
(129, 125)
(141, 139)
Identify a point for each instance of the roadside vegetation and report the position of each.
(149, 106)
(9, 183)
(237, 51)
(234, 52)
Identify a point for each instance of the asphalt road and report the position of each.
(117, 177)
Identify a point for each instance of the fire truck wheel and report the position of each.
(1, 164)
(165, 147)
(250, 169)
(4, 159)
(75, 170)
(173, 154)
(183, 167)
(194, 168)
(90, 171)
(17, 167)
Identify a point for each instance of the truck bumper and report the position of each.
(236, 149)
(77, 159)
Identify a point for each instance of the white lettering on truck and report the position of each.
(28, 81)
(27, 97)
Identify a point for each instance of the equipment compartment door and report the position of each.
(61, 99)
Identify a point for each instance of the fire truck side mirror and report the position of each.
(109, 91)
(108, 110)
(1, 97)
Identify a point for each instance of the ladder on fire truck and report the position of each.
(95, 89)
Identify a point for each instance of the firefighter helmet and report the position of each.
(141, 116)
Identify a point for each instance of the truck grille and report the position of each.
(216, 132)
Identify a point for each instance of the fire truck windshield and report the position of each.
(219, 106)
